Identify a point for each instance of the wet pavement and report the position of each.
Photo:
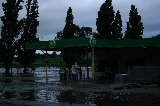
(33, 90)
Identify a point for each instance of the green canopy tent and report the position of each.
(58, 44)
(91, 43)
(87, 42)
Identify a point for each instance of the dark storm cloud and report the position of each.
(151, 19)
(52, 14)
(149, 11)
(52, 19)
(85, 14)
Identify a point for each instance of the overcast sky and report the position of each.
(52, 14)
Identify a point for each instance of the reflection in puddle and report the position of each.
(76, 97)
(27, 95)
(45, 95)
(8, 95)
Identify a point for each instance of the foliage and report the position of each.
(59, 35)
(68, 31)
(26, 58)
(72, 55)
(156, 37)
(117, 26)
(78, 32)
(84, 32)
(95, 34)
(11, 28)
(134, 26)
(105, 20)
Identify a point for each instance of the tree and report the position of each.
(76, 54)
(105, 20)
(68, 31)
(72, 55)
(27, 57)
(85, 32)
(11, 28)
(134, 26)
(117, 26)
(78, 32)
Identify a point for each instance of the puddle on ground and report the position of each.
(33, 87)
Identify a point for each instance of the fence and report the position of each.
(143, 73)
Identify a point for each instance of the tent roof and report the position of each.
(87, 42)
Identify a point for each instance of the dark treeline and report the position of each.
(16, 32)
(109, 26)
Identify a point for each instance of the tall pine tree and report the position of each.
(105, 20)
(11, 28)
(117, 26)
(68, 31)
(27, 57)
(72, 55)
(134, 26)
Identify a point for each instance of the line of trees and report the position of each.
(109, 26)
(15, 32)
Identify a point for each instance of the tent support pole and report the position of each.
(93, 65)
(46, 67)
